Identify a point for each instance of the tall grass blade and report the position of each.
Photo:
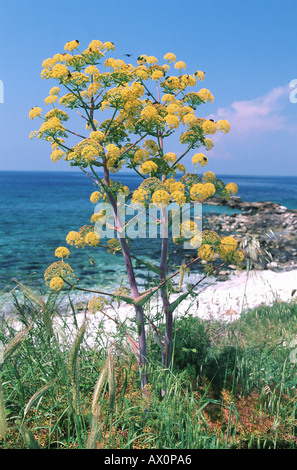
(29, 438)
(14, 344)
(74, 366)
(37, 395)
(92, 439)
(2, 413)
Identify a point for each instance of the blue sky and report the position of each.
(247, 49)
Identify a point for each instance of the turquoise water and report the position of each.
(38, 209)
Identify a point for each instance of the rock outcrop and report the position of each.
(266, 230)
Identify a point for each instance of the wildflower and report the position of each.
(56, 283)
(208, 144)
(180, 167)
(209, 127)
(59, 71)
(51, 99)
(161, 197)
(205, 95)
(95, 196)
(151, 60)
(157, 74)
(140, 196)
(71, 45)
(188, 119)
(62, 252)
(206, 252)
(179, 197)
(35, 112)
(58, 269)
(200, 75)
(109, 46)
(189, 229)
(172, 121)
(180, 65)
(140, 156)
(223, 125)
(148, 167)
(98, 136)
(92, 239)
(72, 237)
(167, 97)
(201, 191)
(54, 91)
(170, 157)
(95, 46)
(199, 159)
(232, 188)
(96, 304)
(170, 57)
(151, 146)
(209, 176)
(56, 155)
(228, 245)
(113, 245)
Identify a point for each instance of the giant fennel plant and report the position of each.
(128, 115)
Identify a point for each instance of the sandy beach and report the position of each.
(224, 301)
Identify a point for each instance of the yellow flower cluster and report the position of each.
(199, 159)
(148, 167)
(232, 188)
(56, 272)
(161, 197)
(97, 304)
(201, 191)
(62, 252)
(140, 196)
(35, 112)
(56, 283)
(206, 252)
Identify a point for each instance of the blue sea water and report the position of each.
(38, 209)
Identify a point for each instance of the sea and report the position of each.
(38, 209)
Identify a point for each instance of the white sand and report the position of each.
(223, 301)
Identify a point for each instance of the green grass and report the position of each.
(230, 385)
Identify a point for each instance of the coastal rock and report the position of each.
(266, 230)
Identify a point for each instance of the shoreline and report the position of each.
(215, 300)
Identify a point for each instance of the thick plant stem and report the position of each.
(167, 349)
(142, 357)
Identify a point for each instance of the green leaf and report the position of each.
(176, 302)
(143, 298)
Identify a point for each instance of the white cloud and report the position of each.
(258, 115)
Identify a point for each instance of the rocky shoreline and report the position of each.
(267, 232)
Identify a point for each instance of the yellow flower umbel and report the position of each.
(161, 198)
(95, 196)
(227, 247)
(170, 57)
(223, 125)
(206, 252)
(92, 239)
(72, 237)
(232, 188)
(71, 45)
(62, 252)
(148, 167)
(97, 304)
(35, 112)
(199, 159)
(56, 283)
